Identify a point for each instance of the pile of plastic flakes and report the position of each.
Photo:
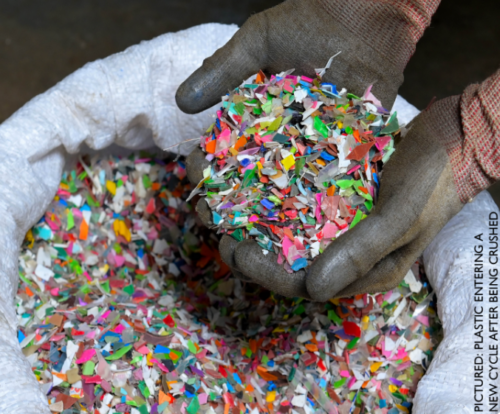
(295, 163)
(124, 306)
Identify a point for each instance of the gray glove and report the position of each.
(300, 34)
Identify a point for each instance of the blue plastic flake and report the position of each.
(299, 264)
(326, 156)
(216, 218)
(20, 336)
(44, 233)
(160, 349)
(245, 162)
(382, 404)
(237, 378)
(230, 387)
(267, 204)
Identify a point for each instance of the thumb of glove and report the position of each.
(239, 59)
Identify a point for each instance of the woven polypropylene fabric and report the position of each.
(393, 27)
(447, 387)
(127, 99)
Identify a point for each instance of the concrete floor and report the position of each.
(43, 41)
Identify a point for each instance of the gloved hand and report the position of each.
(417, 198)
(376, 39)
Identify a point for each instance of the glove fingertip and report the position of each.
(204, 213)
(191, 99)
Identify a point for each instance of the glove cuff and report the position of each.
(477, 163)
(392, 27)
(469, 126)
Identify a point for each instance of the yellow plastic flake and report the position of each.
(288, 162)
(375, 366)
(364, 322)
(29, 238)
(121, 229)
(271, 396)
(148, 359)
(104, 269)
(111, 186)
(402, 408)
(393, 389)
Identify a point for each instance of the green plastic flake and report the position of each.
(248, 177)
(88, 368)
(71, 220)
(137, 359)
(239, 108)
(144, 389)
(353, 343)
(267, 107)
(392, 125)
(143, 409)
(299, 164)
(105, 286)
(310, 220)
(91, 202)
(339, 383)
(24, 279)
(334, 317)
(129, 289)
(274, 199)
(352, 96)
(300, 310)
(146, 181)
(275, 124)
(118, 354)
(344, 184)
(192, 347)
(320, 126)
(356, 219)
(72, 187)
(369, 205)
(237, 234)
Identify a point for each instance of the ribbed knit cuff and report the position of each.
(393, 27)
(469, 127)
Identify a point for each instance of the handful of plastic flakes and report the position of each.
(294, 163)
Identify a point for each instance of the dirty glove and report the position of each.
(449, 155)
(376, 40)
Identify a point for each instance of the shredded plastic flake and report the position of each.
(124, 306)
(295, 163)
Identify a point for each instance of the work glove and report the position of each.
(376, 40)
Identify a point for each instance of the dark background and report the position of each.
(43, 41)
